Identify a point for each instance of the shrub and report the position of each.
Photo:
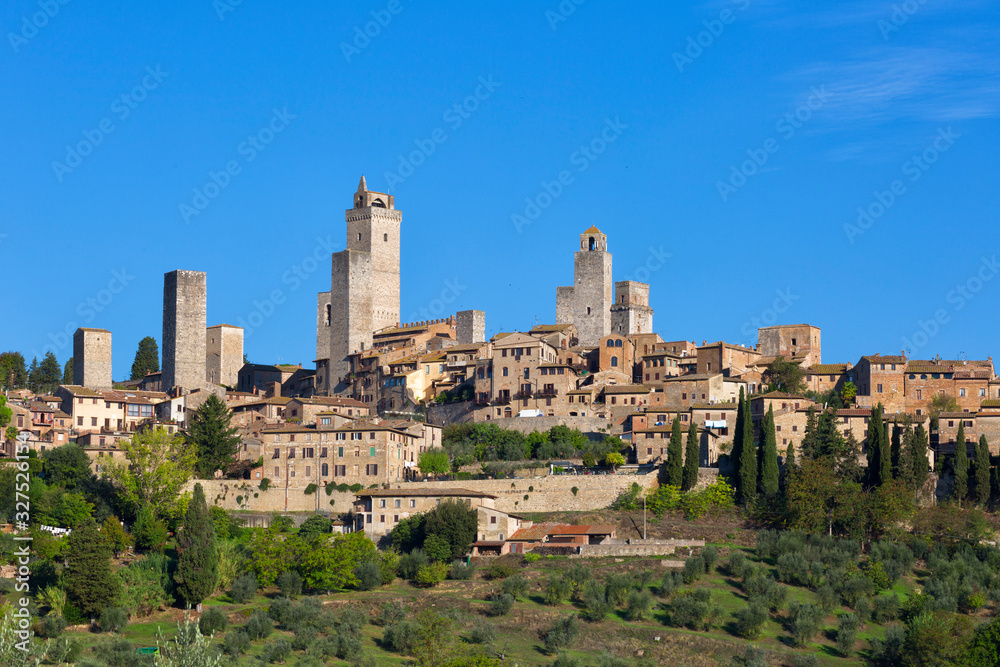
(638, 605)
(459, 571)
(694, 569)
(275, 651)
(388, 563)
(118, 652)
(483, 632)
(64, 650)
(793, 568)
(692, 609)
(411, 562)
(289, 583)
(431, 574)
(564, 659)
(595, 601)
(617, 588)
(808, 660)
(113, 619)
(670, 582)
(212, 621)
(400, 637)
(885, 608)
(244, 588)
(805, 619)
(369, 576)
(501, 604)
(259, 625)
(532, 557)
(863, 609)
(236, 643)
(146, 585)
(709, 555)
(389, 613)
(557, 589)
(736, 564)
(304, 637)
(51, 626)
(750, 620)
(827, 598)
(515, 586)
(847, 632)
(499, 569)
(561, 634)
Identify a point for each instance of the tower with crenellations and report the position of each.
(587, 304)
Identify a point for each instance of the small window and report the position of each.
(385, 237)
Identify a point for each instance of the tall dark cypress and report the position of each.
(981, 473)
(769, 456)
(197, 556)
(734, 455)
(961, 489)
(675, 454)
(90, 586)
(885, 452)
(692, 456)
(921, 464)
(747, 490)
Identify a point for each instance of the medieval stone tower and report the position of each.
(92, 358)
(630, 313)
(587, 304)
(184, 299)
(364, 286)
(223, 354)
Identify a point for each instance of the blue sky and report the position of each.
(837, 164)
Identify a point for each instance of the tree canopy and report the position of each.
(215, 440)
(157, 464)
(147, 358)
(197, 556)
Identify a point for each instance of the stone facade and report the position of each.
(324, 315)
(631, 313)
(587, 304)
(471, 326)
(791, 341)
(92, 358)
(726, 358)
(224, 354)
(184, 314)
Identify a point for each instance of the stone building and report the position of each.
(587, 304)
(630, 312)
(184, 314)
(224, 354)
(800, 342)
(726, 358)
(364, 285)
(470, 326)
(879, 379)
(92, 358)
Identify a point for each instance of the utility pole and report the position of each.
(644, 517)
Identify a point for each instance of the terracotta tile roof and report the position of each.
(714, 406)
(778, 394)
(884, 359)
(593, 230)
(535, 533)
(990, 403)
(626, 389)
(331, 400)
(548, 328)
(566, 529)
(827, 369)
(854, 412)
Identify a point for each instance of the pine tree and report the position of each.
(981, 473)
(147, 358)
(675, 455)
(197, 556)
(89, 583)
(769, 456)
(33, 375)
(961, 464)
(216, 441)
(921, 464)
(692, 457)
(67, 377)
(48, 374)
(747, 490)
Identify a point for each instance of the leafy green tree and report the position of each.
(327, 564)
(848, 393)
(692, 457)
(215, 440)
(5, 413)
(456, 524)
(273, 552)
(960, 491)
(614, 460)
(197, 556)
(67, 466)
(116, 537)
(147, 358)
(674, 465)
(769, 456)
(981, 473)
(747, 476)
(189, 648)
(149, 531)
(313, 526)
(434, 461)
(90, 585)
(156, 467)
(13, 373)
(787, 376)
(941, 403)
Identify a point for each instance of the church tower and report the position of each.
(587, 304)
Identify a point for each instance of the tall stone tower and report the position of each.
(587, 304)
(92, 358)
(223, 354)
(471, 326)
(631, 313)
(184, 297)
(364, 285)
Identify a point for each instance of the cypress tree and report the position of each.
(747, 476)
(885, 452)
(896, 450)
(197, 557)
(921, 464)
(810, 440)
(903, 468)
(789, 468)
(769, 456)
(675, 455)
(89, 584)
(691, 459)
(981, 472)
(734, 455)
(961, 464)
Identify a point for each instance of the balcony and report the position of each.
(502, 400)
(547, 392)
(521, 395)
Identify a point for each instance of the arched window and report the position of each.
(614, 362)
(385, 237)
(326, 470)
(593, 243)
(611, 343)
(505, 371)
(378, 203)
(618, 343)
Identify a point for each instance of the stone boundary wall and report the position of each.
(597, 426)
(224, 493)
